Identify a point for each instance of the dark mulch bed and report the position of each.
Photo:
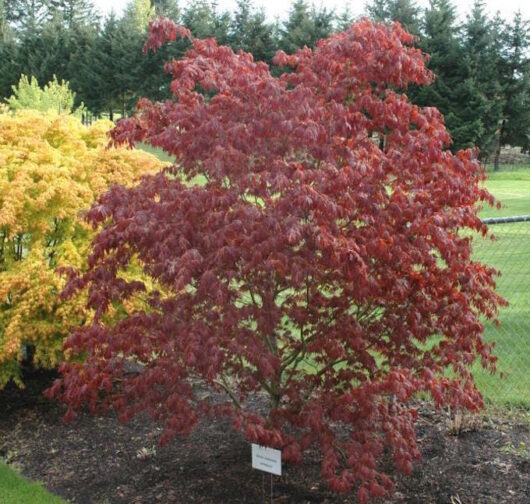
(96, 460)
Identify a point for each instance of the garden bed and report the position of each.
(97, 460)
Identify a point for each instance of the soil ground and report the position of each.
(97, 460)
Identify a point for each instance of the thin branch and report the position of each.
(227, 389)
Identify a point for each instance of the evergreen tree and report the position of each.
(95, 78)
(27, 50)
(4, 21)
(297, 31)
(239, 24)
(27, 15)
(52, 54)
(482, 60)
(323, 21)
(388, 11)
(127, 58)
(453, 91)
(344, 19)
(167, 8)
(250, 32)
(378, 11)
(305, 26)
(73, 12)
(515, 81)
(203, 20)
(7, 34)
(81, 65)
(154, 80)
(8, 66)
(137, 15)
(145, 75)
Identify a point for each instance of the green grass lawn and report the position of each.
(510, 253)
(14, 489)
(155, 151)
(512, 188)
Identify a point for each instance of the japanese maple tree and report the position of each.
(310, 244)
(51, 168)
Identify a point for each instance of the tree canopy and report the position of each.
(295, 256)
(55, 96)
(481, 87)
(51, 168)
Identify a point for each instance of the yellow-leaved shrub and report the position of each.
(51, 169)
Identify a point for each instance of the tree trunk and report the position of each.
(499, 145)
(111, 114)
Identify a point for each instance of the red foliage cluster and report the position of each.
(321, 259)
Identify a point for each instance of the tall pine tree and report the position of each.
(4, 21)
(95, 77)
(305, 26)
(54, 51)
(138, 13)
(83, 40)
(127, 58)
(204, 20)
(250, 32)
(73, 12)
(453, 91)
(167, 8)
(515, 81)
(344, 19)
(8, 51)
(26, 15)
(405, 11)
(482, 60)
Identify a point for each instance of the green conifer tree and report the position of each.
(405, 11)
(515, 81)
(250, 32)
(305, 26)
(482, 60)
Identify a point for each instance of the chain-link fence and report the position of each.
(509, 253)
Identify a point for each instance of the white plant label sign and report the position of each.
(267, 459)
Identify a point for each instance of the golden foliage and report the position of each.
(51, 168)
